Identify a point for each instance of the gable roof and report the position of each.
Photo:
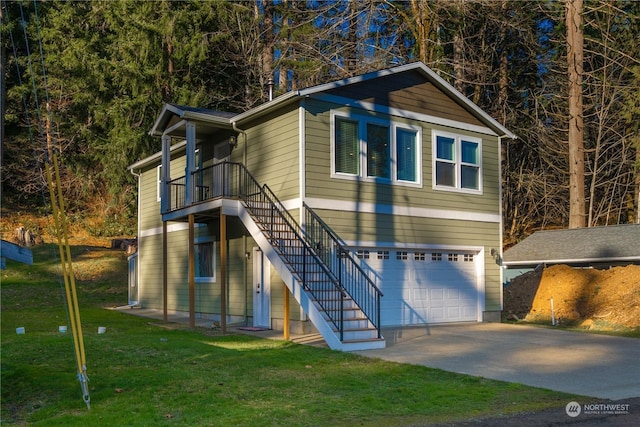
(172, 113)
(579, 246)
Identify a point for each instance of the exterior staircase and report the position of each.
(338, 296)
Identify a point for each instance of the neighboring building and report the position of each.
(15, 253)
(376, 200)
(603, 246)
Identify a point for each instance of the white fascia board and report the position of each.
(167, 109)
(426, 118)
(479, 112)
(207, 118)
(185, 114)
(266, 107)
(433, 78)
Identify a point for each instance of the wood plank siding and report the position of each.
(273, 149)
(407, 91)
(320, 184)
(207, 301)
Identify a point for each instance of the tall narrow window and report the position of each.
(407, 155)
(378, 151)
(347, 147)
(204, 262)
(470, 167)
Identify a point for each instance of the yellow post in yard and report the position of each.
(57, 205)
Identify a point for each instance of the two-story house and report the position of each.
(372, 201)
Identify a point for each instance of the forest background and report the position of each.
(95, 74)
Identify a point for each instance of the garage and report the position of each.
(425, 286)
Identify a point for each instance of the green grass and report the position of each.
(142, 374)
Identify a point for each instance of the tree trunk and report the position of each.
(575, 42)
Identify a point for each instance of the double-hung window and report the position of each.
(457, 162)
(375, 150)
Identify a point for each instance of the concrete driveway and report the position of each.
(592, 365)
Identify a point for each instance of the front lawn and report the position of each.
(144, 374)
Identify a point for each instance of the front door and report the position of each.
(261, 290)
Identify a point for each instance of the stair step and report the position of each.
(363, 344)
(358, 334)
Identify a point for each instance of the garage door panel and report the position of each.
(426, 287)
(437, 294)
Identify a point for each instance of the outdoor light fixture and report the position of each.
(233, 142)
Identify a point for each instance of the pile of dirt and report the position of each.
(591, 298)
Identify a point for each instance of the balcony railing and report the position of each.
(314, 253)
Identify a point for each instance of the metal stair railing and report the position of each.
(233, 180)
(326, 269)
(353, 278)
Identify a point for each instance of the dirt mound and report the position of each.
(591, 298)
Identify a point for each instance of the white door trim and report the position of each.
(261, 289)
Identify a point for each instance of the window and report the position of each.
(419, 256)
(402, 255)
(383, 254)
(407, 155)
(468, 257)
(378, 151)
(362, 254)
(453, 257)
(205, 261)
(347, 147)
(375, 150)
(436, 256)
(457, 164)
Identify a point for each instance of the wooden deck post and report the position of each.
(286, 313)
(165, 314)
(192, 277)
(223, 273)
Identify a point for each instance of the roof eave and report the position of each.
(170, 109)
(438, 81)
(434, 78)
(535, 262)
(489, 121)
(265, 108)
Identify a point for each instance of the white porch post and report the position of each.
(191, 164)
(165, 173)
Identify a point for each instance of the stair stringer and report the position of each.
(293, 284)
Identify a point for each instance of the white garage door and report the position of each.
(425, 286)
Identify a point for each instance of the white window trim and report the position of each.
(393, 127)
(457, 161)
(208, 239)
